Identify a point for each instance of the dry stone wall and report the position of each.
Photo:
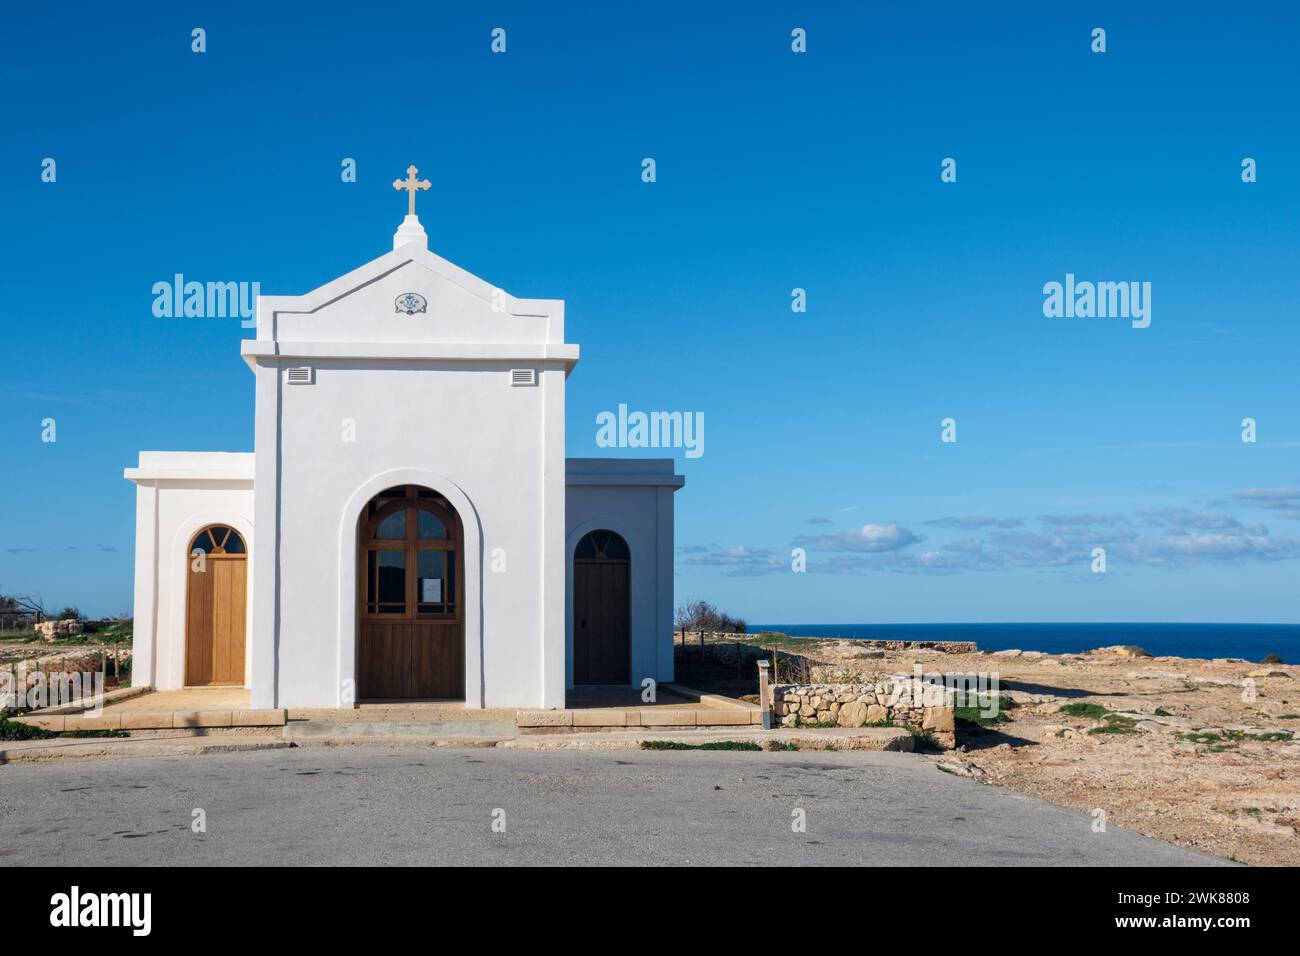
(947, 647)
(53, 630)
(900, 700)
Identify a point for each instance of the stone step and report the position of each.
(833, 738)
(308, 729)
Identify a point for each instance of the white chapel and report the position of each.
(408, 526)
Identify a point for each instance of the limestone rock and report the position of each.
(853, 714)
(52, 630)
(962, 768)
(938, 718)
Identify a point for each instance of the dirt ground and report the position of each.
(1199, 753)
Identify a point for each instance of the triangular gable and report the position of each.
(409, 295)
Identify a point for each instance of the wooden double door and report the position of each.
(216, 608)
(602, 626)
(410, 601)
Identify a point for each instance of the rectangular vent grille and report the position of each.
(300, 376)
(523, 376)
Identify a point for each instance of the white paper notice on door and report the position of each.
(430, 590)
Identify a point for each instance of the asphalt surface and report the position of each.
(370, 805)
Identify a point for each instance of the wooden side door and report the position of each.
(216, 605)
(602, 645)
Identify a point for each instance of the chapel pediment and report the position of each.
(410, 295)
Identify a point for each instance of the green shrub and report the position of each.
(1116, 724)
(1091, 711)
(14, 730)
(17, 730)
(119, 633)
(973, 705)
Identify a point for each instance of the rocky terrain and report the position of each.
(1199, 753)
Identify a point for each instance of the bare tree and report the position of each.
(32, 604)
(703, 616)
(20, 611)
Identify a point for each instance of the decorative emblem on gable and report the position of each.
(411, 303)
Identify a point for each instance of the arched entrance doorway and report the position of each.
(216, 593)
(410, 600)
(602, 624)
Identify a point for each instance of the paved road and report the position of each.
(363, 805)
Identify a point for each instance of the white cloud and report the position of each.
(870, 538)
(738, 561)
(1285, 501)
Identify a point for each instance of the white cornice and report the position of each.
(255, 350)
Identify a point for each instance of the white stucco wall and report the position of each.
(425, 399)
(178, 494)
(633, 497)
(461, 430)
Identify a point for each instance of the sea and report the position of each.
(1249, 641)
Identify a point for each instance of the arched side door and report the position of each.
(216, 605)
(602, 611)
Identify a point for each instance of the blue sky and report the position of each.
(774, 171)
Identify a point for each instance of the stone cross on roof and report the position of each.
(411, 184)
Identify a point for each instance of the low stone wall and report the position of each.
(729, 652)
(900, 700)
(691, 658)
(48, 677)
(53, 630)
(80, 660)
(735, 652)
(710, 637)
(716, 637)
(947, 647)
